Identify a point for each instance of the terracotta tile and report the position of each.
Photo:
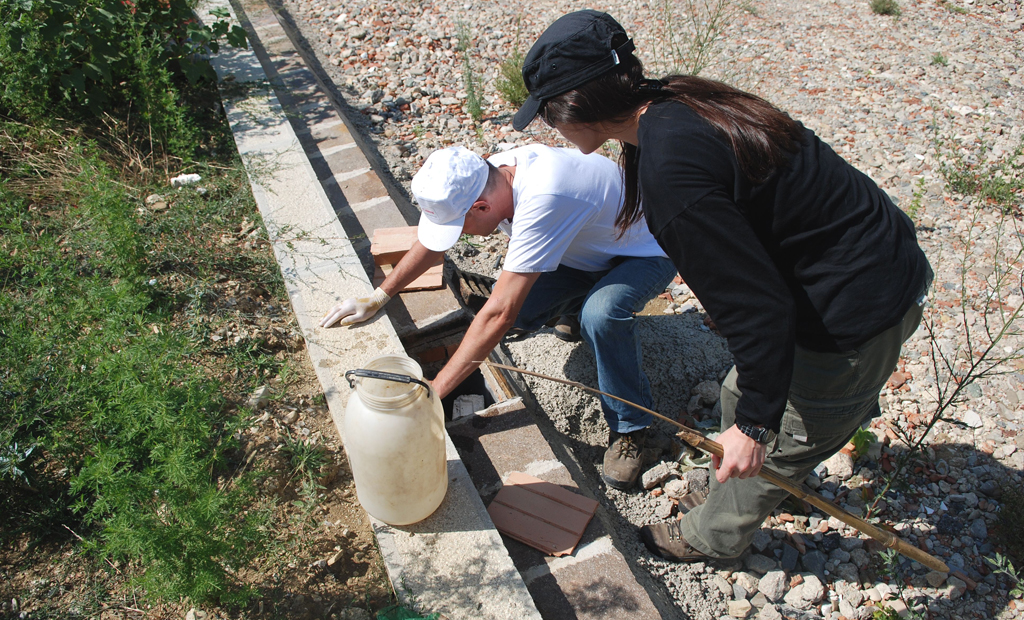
(540, 514)
(553, 491)
(531, 531)
(429, 280)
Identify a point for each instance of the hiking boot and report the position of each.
(623, 458)
(666, 541)
(568, 329)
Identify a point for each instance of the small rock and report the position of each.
(677, 488)
(935, 578)
(290, 417)
(195, 614)
(956, 587)
(740, 609)
(747, 581)
(664, 508)
(978, 529)
(156, 202)
(761, 540)
(769, 612)
(758, 563)
(709, 391)
(991, 488)
(724, 586)
(773, 585)
(971, 418)
(656, 475)
(739, 593)
(334, 559)
(758, 600)
(185, 179)
(258, 399)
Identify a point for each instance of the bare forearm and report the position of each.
(482, 336)
(490, 324)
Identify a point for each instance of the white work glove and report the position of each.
(354, 310)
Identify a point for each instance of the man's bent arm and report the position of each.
(487, 329)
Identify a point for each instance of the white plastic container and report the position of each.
(394, 436)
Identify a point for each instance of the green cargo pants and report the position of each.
(831, 395)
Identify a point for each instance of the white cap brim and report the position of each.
(439, 237)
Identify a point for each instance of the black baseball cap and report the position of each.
(572, 51)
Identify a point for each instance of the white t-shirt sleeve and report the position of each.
(543, 229)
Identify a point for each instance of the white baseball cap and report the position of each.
(446, 187)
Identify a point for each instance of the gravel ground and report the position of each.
(898, 98)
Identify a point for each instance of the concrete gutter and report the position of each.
(454, 562)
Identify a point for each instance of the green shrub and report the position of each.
(127, 429)
(510, 82)
(79, 58)
(939, 59)
(885, 7)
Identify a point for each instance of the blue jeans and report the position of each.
(605, 303)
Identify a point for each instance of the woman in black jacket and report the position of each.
(808, 269)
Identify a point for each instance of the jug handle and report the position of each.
(384, 376)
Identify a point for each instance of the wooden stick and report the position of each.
(699, 441)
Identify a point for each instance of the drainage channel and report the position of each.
(278, 94)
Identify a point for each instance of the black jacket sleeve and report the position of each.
(728, 269)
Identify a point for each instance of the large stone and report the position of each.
(773, 585)
(847, 572)
(840, 465)
(656, 475)
(860, 558)
(813, 590)
(814, 562)
(790, 556)
(740, 609)
(758, 563)
(848, 592)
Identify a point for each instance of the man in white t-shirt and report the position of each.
(565, 258)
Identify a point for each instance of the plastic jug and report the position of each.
(394, 436)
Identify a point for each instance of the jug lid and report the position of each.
(383, 376)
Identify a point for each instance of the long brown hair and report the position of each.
(760, 133)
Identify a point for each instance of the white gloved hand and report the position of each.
(354, 310)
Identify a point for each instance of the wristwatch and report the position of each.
(757, 433)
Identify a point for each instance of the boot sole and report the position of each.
(618, 485)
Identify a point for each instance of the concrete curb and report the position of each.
(454, 562)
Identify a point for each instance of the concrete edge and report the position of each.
(454, 562)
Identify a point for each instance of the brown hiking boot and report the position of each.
(568, 329)
(665, 540)
(623, 458)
